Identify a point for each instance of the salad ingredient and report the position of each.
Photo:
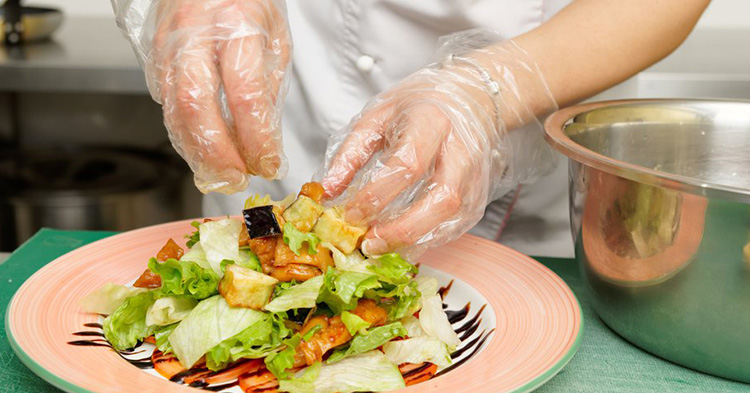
(341, 289)
(374, 338)
(265, 249)
(168, 310)
(257, 341)
(353, 262)
(260, 381)
(263, 221)
(369, 371)
(354, 323)
(294, 239)
(208, 324)
(295, 272)
(220, 241)
(198, 256)
(392, 268)
(332, 228)
(148, 280)
(302, 295)
(249, 260)
(312, 190)
(321, 258)
(418, 350)
(257, 200)
(416, 373)
(152, 280)
(303, 213)
(244, 287)
(435, 323)
(166, 364)
(185, 278)
(108, 298)
(161, 337)
(127, 325)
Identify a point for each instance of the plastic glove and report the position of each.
(423, 160)
(219, 68)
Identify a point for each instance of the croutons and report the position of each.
(244, 287)
(332, 228)
(303, 213)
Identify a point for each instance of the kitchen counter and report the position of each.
(604, 362)
(90, 55)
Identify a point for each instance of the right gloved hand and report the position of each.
(219, 68)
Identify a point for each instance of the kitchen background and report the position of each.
(82, 144)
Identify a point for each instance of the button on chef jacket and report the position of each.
(347, 51)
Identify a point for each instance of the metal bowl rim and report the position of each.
(554, 133)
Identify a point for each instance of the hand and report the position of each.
(422, 161)
(218, 68)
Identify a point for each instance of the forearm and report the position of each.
(592, 45)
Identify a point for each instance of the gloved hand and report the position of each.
(219, 68)
(423, 159)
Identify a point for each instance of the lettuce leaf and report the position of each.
(401, 299)
(265, 200)
(108, 298)
(257, 341)
(294, 239)
(354, 323)
(195, 236)
(184, 278)
(208, 324)
(220, 241)
(127, 325)
(354, 262)
(248, 259)
(374, 338)
(197, 255)
(392, 268)
(341, 290)
(302, 295)
(161, 334)
(370, 371)
(279, 362)
(418, 350)
(435, 323)
(170, 309)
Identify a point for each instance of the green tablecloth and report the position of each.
(604, 363)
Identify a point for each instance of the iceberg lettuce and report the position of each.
(341, 290)
(294, 239)
(301, 295)
(418, 350)
(257, 341)
(220, 241)
(108, 298)
(169, 310)
(127, 325)
(354, 262)
(362, 343)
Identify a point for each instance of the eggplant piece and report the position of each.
(262, 221)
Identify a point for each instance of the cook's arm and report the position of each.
(592, 45)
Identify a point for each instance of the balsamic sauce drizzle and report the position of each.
(467, 329)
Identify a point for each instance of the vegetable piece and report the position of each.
(313, 191)
(294, 239)
(244, 287)
(261, 381)
(321, 259)
(279, 362)
(166, 364)
(295, 272)
(260, 339)
(303, 213)
(262, 221)
(220, 241)
(265, 249)
(418, 350)
(161, 337)
(257, 200)
(249, 260)
(169, 310)
(332, 228)
(416, 373)
(342, 289)
(127, 325)
(352, 262)
(373, 339)
(108, 298)
(393, 268)
(194, 237)
(197, 255)
(354, 323)
(185, 278)
(369, 371)
(435, 323)
(211, 322)
(298, 296)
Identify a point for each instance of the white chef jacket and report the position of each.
(347, 51)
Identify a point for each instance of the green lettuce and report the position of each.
(208, 324)
(195, 236)
(279, 362)
(418, 350)
(197, 255)
(374, 338)
(297, 296)
(161, 335)
(108, 298)
(127, 325)
(354, 323)
(435, 323)
(258, 340)
(341, 290)
(354, 262)
(400, 299)
(220, 241)
(370, 371)
(393, 268)
(248, 259)
(170, 309)
(294, 239)
(184, 278)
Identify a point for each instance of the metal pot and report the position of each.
(95, 188)
(660, 212)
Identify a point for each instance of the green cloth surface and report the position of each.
(604, 362)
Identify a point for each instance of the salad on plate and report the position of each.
(281, 299)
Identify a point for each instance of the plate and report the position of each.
(529, 328)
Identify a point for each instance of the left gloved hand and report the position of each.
(423, 159)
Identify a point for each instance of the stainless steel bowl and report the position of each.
(660, 211)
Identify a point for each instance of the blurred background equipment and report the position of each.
(27, 24)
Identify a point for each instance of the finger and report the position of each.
(419, 135)
(257, 122)
(193, 113)
(364, 139)
(450, 205)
